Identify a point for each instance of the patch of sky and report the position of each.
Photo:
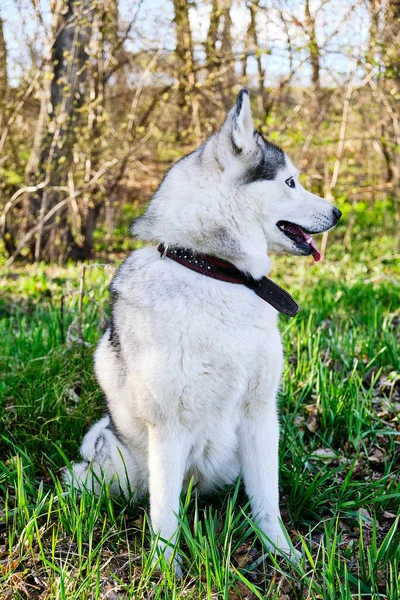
(342, 33)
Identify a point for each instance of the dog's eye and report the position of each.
(290, 182)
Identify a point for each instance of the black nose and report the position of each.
(337, 213)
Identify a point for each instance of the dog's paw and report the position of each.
(283, 549)
(176, 564)
(277, 542)
(166, 558)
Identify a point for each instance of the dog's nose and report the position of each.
(337, 213)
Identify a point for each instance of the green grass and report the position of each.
(340, 466)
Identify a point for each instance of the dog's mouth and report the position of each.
(301, 237)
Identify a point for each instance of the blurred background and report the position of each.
(99, 97)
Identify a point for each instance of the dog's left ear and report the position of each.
(239, 123)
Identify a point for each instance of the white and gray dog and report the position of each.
(191, 365)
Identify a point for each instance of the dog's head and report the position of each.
(237, 196)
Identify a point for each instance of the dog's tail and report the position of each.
(106, 459)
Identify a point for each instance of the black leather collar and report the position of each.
(215, 267)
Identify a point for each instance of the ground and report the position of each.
(340, 467)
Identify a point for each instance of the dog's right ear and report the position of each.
(239, 123)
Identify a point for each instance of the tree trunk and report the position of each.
(187, 94)
(3, 64)
(61, 98)
(391, 91)
(212, 39)
(106, 28)
(313, 48)
(392, 41)
(316, 97)
(220, 60)
(228, 59)
(7, 234)
(255, 48)
(375, 8)
(3, 74)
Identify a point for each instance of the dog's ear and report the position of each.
(239, 123)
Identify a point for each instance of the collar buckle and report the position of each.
(163, 250)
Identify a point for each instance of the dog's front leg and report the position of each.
(167, 460)
(259, 447)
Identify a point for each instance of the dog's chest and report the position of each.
(219, 352)
(195, 343)
(222, 343)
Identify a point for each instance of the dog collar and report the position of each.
(214, 267)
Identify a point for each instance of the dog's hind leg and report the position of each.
(105, 459)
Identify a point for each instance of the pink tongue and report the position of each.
(315, 252)
(296, 229)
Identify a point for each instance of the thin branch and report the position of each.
(343, 126)
(29, 235)
(29, 189)
(102, 171)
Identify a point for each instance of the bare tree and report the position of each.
(220, 58)
(62, 97)
(390, 95)
(212, 58)
(228, 63)
(254, 48)
(188, 103)
(313, 46)
(6, 234)
(3, 63)
(375, 8)
(392, 41)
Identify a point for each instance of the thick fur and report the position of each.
(191, 366)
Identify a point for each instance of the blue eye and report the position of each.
(290, 182)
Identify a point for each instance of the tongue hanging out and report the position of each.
(315, 252)
(297, 234)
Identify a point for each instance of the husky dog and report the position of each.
(191, 365)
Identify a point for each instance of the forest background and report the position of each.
(98, 98)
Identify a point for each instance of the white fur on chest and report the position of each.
(190, 350)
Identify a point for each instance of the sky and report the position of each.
(342, 27)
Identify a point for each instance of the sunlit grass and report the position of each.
(340, 467)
